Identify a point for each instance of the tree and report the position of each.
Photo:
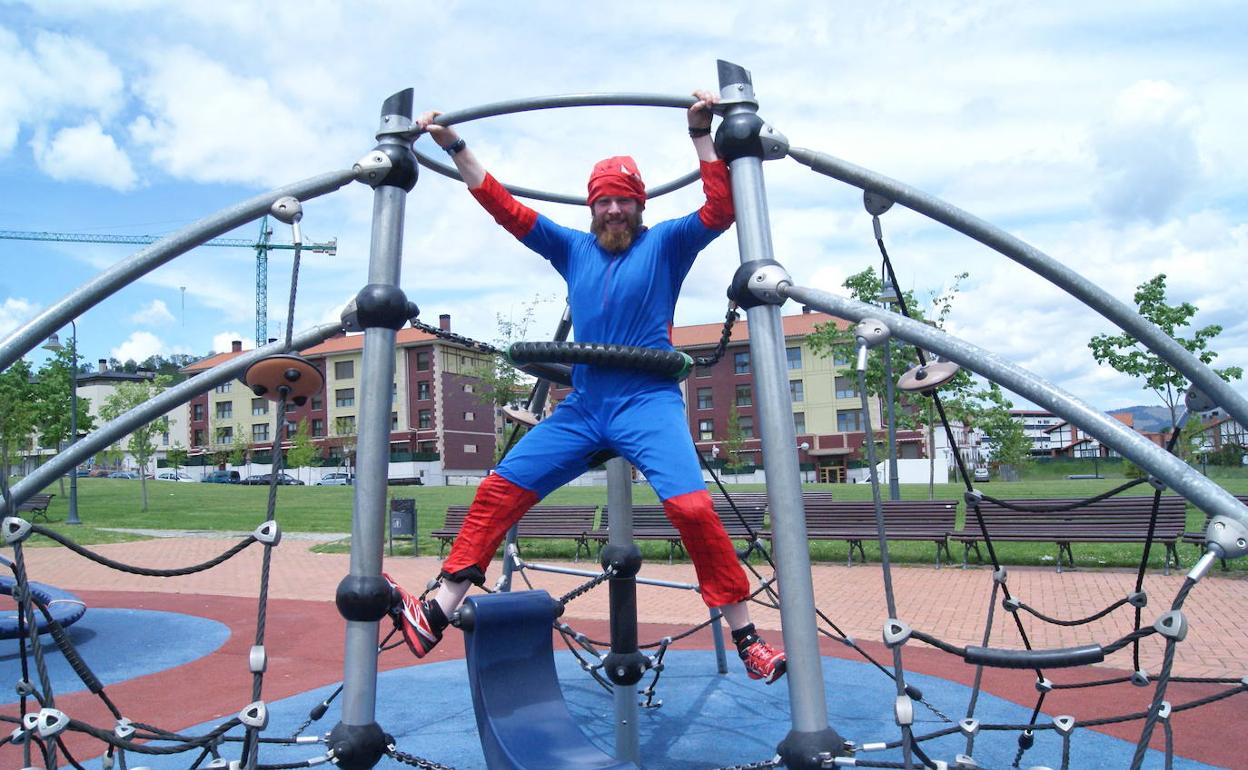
(734, 440)
(176, 456)
(18, 415)
(1008, 440)
(344, 429)
(302, 450)
(53, 406)
(1125, 353)
(142, 441)
(240, 446)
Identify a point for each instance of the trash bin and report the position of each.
(403, 522)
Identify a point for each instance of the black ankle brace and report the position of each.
(437, 618)
(744, 636)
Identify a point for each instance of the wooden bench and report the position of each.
(1114, 520)
(650, 522)
(541, 522)
(37, 506)
(1198, 538)
(854, 522)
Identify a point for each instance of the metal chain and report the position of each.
(764, 765)
(458, 339)
(414, 761)
(725, 334)
(606, 575)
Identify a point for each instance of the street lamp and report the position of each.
(55, 346)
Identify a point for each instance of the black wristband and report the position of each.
(696, 132)
(455, 147)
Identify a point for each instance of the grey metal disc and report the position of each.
(927, 377)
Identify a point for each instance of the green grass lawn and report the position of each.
(109, 503)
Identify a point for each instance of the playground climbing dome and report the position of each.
(760, 287)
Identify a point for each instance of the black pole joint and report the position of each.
(382, 305)
(810, 751)
(363, 598)
(357, 747)
(740, 136)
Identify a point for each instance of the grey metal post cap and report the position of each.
(1163, 711)
(1172, 625)
(1138, 599)
(16, 529)
(872, 332)
(875, 203)
(1011, 604)
(775, 144)
(1064, 724)
(1196, 400)
(257, 659)
(287, 209)
(50, 722)
(1139, 678)
(124, 730)
(1044, 684)
(269, 533)
(896, 632)
(18, 736)
(1000, 575)
(1228, 535)
(963, 762)
(255, 715)
(969, 726)
(372, 167)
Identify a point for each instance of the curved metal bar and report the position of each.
(1180, 476)
(541, 195)
(77, 302)
(530, 104)
(1038, 262)
(181, 393)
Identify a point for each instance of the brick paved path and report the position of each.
(949, 603)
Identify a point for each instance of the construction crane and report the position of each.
(262, 245)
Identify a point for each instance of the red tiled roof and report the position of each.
(798, 325)
(343, 344)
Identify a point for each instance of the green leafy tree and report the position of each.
(53, 406)
(142, 441)
(302, 449)
(240, 449)
(344, 429)
(18, 416)
(176, 456)
(1125, 353)
(1009, 443)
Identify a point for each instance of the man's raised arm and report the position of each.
(716, 213)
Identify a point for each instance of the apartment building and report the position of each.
(437, 421)
(1037, 424)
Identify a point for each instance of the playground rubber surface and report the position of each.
(174, 653)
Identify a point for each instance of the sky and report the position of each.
(1109, 135)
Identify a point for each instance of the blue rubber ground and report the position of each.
(706, 721)
(118, 645)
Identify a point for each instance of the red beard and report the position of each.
(616, 241)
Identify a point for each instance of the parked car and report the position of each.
(172, 475)
(336, 480)
(222, 477)
(980, 474)
(123, 475)
(263, 478)
(83, 473)
(98, 473)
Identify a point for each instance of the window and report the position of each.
(197, 412)
(841, 355)
(424, 419)
(706, 430)
(164, 438)
(702, 372)
(849, 422)
(422, 390)
(470, 449)
(291, 429)
(427, 447)
(318, 403)
(225, 410)
(223, 387)
(345, 426)
(745, 396)
(470, 416)
(468, 388)
(344, 370)
(198, 437)
(799, 423)
(846, 387)
(705, 399)
(260, 432)
(794, 357)
(259, 407)
(741, 363)
(747, 426)
(797, 391)
(344, 397)
(394, 421)
(318, 428)
(225, 435)
(422, 361)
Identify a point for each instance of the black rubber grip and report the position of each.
(1062, 657)
(672, 363)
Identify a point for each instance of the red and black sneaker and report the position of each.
(415, 619)
(762, 661)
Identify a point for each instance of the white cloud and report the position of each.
(223, 342)
(85, 153)
(1146, 152)
(14, 312)
(155, 313)
(139, 346)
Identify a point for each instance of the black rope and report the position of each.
(1015, 506)
(1077, 622)
(144, 571)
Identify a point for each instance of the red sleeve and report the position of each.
(515, 217)
(717, 212)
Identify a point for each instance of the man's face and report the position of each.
(616, 221)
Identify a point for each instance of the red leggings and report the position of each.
(499, 504)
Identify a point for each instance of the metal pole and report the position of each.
(73, 423)
(894, 485)
(620, 532)
(737, 140)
